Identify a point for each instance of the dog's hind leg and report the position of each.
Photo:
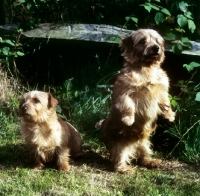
(143, 155)
(120, 156)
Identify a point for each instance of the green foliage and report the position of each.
(187, 125)
(9, 50)
(30, 13)
(175, 19)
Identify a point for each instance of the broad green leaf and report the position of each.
(8, 42)
(197, 97)
(189, 15)
(154, 7)
(174, 103)
(177, 48)
(183, 6)
(118, 40)
(194, 64)
(174, 7)
(147, 7)
(134, 19)
(159, 18)
(20, 53)
(191, 66)
(186, 42)
(5, 50)
(182, 20)
(184, 39)
(165, 11)
(170, 36)
(191, 26)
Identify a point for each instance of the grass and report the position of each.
(90, 174)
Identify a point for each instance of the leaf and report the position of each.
(191, 26)
(174, 103)
(177, 48)
(189, 15)
(147, 7)
(194, 64)
(184, 39)
(154, 7)
(5, 50)
(183, 6)
(170, 36)
(118, 40)
(191, 66)
(134, 19)
(20, 53)
(8, 42)
(165, 11)
(186, 42)
(159, 18)
(197, 97)
(182, 20)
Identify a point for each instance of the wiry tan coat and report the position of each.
(140, 95)
(47, 137)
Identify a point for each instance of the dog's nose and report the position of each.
(24, 108)
(155, 48)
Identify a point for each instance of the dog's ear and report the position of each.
(52, 102)
(126, 45)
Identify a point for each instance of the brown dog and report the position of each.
(47, 136)
(140, 95)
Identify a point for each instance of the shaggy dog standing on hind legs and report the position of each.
(140, 95)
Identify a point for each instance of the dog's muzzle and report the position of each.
(24, 108)
(155, 49)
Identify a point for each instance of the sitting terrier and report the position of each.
(48, 138)
(139, 96)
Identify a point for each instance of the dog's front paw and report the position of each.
(128, 120)
(171, 116)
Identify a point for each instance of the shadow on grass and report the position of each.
(93, 159)
(17, 156)
(13, 156)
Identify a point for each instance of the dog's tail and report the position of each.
(99, 124)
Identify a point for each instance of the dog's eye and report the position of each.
(35, 100)
(142, 41)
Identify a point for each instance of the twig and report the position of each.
(187, 84)
(182, 138)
